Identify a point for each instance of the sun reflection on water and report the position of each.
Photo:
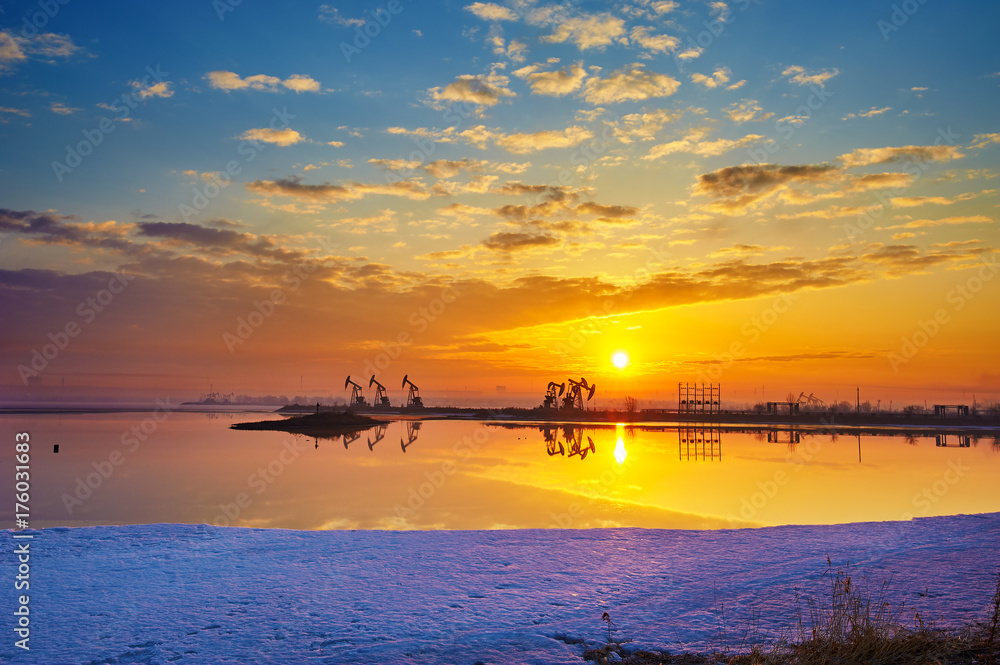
(620, 453)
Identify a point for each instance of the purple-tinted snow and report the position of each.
(201, 594)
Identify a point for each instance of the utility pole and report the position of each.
(857, 407)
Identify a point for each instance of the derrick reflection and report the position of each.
(572, 441)
(412, 431)
(699, 443)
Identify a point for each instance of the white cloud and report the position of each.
(555, 83)
(396, 164)
(223, 80)
(484, 90)
(489, 11)
(916, 153)
(300, 83)
(718, 9)
(746, 110)
(21, 112)
(983, 140)
(518, 143)
(161, 89)
(719, 77)
(330, 14)
(524, 143)
(798, 75)
(516, 50)
(585, 30)
(916, 201)
(62, 109)
(797, 120)
(664, 6)
(655, 43)
(947, 221)
(10, 50)
(643, 126)
(448, 168)
(872, 112)
(693, 143)
(279, 137)
(45, 46)
(293, 187)
(631, 83)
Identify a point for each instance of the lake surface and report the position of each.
(128, 468)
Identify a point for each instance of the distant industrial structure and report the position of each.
(696, 401)
(943, 410)
(791, 408)
(695, 398)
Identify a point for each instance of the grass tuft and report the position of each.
(857, 625)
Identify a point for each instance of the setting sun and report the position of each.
(619, 359)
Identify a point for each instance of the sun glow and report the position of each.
(620, 453)
(620, 359)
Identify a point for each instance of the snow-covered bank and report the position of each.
(200, 594)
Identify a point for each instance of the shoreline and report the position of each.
(582, 530)
(861, 423)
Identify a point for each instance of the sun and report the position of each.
(619, 359)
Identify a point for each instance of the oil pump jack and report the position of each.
(413, 398)
(574, 396)
(357, 398)
(551, 398)
(381, 398)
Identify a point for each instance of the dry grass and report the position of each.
(857, 626)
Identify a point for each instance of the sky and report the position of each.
(778, 197)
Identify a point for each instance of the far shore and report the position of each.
(661, 418)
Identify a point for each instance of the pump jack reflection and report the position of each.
(412, 430)
(351, 438)
(379, 435)
(573, 438)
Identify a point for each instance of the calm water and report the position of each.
(192, 468)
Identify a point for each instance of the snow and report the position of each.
(168, 593)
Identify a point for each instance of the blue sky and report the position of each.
(510, 146)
